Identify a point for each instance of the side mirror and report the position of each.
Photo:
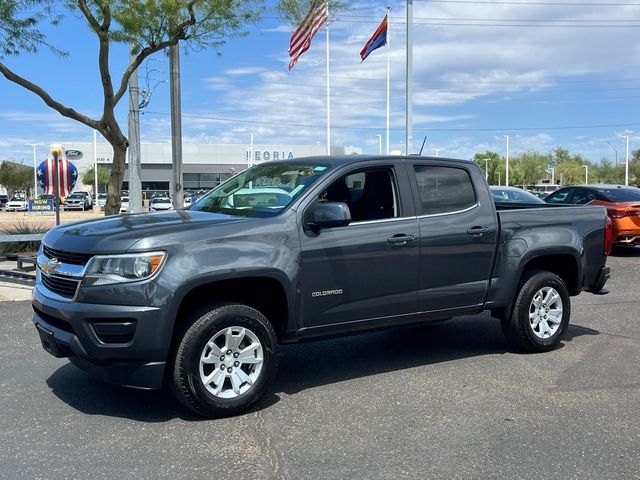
(328, 215)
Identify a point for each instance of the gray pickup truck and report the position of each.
(200, 299)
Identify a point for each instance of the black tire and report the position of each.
(186, 381)
(519, 329)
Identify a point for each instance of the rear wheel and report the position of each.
(225, 361)
(540, 314)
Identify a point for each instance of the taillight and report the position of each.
(623, 213)
(608, 236)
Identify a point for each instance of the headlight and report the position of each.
(109, 269)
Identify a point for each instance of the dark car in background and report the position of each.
(513, 195)
(3, 200)
(622, 204)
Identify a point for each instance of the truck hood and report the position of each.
(116, 234)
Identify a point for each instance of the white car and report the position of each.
(102, 200)
(124, 204)
(160, 203)
(17, 204)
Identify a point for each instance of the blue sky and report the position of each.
(545, 73)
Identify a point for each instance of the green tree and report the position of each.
(14, 176)
(634, 168)
(104, 171)
(494, 164)
(528, 169)
(147, 26)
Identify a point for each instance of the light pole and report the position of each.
(436, 151)
(626, 161)
(486, 169)
(379, 143)
(586, 174)
(506, 175)
(35, 167)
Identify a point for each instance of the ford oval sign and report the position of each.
(73, 154)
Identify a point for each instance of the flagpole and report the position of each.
(409, 75)
(388, 74)
(328, 91)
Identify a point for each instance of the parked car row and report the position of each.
(621, 202)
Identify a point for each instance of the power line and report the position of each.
(465, 129)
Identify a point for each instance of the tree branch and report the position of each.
(57, 106)
(179, 34)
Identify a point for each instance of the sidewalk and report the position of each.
(14, 292)
(17, 290)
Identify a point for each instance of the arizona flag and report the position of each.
(377, 40)
(301, 38)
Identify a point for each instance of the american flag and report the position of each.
(46, 176)
(301, 38)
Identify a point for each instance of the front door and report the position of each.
(368, 269)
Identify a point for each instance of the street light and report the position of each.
(35, 167)
(586, 174)
(379, 135)
(437, 151)
(506, 179)
(626, 162)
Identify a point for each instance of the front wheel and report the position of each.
(225, 361)
(540, 315)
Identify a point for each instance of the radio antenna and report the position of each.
(422, 147)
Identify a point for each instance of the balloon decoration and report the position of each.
(46, 176)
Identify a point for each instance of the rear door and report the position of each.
(458, 235)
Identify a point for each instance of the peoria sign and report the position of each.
(266, 155)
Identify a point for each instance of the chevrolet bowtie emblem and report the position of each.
(50, 266)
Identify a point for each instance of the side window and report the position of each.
(561, 196)
(369, 194)
(582, 196)
(443, 189)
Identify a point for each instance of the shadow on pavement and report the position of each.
(623, 251)
(306, 365)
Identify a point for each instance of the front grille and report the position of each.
(61, 286)
(67, 257)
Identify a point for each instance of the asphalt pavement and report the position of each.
(447, 401)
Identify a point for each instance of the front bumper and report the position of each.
(118, 344)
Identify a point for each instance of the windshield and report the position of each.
(161, 200)
(513, 195)
(76, 195)
(262, 191)
(629, 194)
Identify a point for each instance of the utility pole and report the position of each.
(95, 170)
(626, 161)
(486, 169)
(506, 180)
(35, 167)
(176, 126)
(135, 168)
(616, 152)
(436, 151)
(379, 143)
(586, 174)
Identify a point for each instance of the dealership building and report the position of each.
(203, 167)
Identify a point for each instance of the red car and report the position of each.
(622, 204)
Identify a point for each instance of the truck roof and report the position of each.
(340, 160)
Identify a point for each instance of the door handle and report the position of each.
(401, 239)
(478, 231)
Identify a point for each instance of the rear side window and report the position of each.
(628, 194)
(443, 189)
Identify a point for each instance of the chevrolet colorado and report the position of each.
(200, 299)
